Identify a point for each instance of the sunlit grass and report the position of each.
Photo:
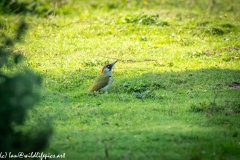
(172, 96)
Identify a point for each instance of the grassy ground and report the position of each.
(176, 89)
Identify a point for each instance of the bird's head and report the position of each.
(108, 67)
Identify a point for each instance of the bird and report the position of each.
(104, 80)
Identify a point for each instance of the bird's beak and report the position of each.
(114, 63)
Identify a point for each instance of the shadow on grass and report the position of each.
(187, 79)
(120, 125)
(208, 90)
(78, 79)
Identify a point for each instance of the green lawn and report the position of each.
(176, 90)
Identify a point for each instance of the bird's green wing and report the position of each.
(99, 82)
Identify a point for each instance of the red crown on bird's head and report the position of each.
(109, 66)
(104, 67)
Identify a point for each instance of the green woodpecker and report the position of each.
(104, 80)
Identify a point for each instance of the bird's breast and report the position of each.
(111, 79)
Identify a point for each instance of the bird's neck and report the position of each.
(109, 73)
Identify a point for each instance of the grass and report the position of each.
(172, 96)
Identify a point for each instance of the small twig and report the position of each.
(132, 60)
(106, 149)
(105, 146)
(142, 99)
